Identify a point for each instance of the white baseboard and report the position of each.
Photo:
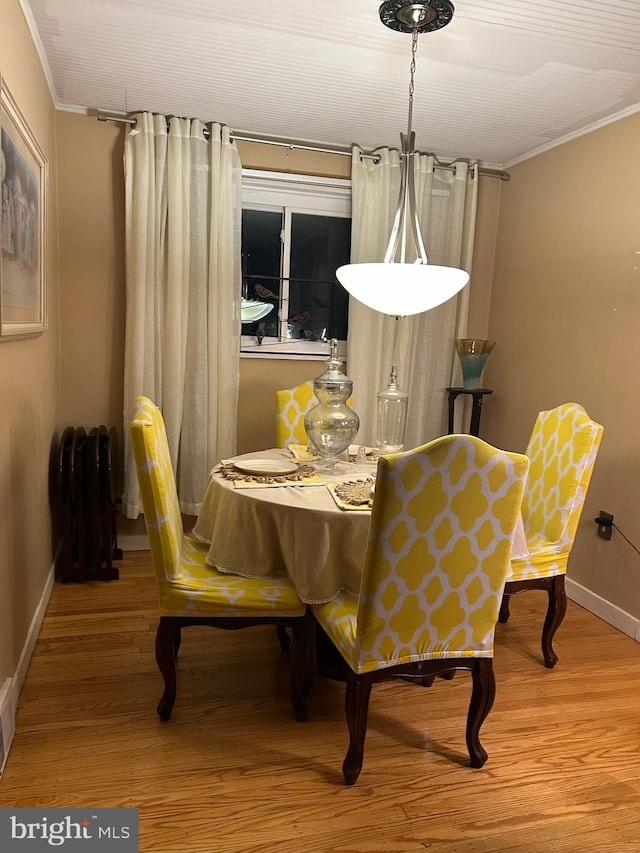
(7, 721)
(10, 690)
(135, 542)
(615, 616)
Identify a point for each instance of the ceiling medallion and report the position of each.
(406, 16)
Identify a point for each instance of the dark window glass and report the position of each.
(318, 304)
(262, 266)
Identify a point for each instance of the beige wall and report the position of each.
(565, 314)
(92, 296)
(260, 378)
(29, 381)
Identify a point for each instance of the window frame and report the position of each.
(292, 194)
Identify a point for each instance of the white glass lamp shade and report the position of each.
(253, 310)
(401, 289)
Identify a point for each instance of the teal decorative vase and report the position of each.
(473, 353)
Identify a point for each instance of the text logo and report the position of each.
(33, 830)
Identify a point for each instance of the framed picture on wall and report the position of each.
(23, 238)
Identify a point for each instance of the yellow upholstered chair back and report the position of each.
(439, 547)
(157, 489)
(562, 450)
(292, 404)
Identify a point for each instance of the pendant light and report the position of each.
(399, 287)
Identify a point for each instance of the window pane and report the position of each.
(318, 304)
(261, 266)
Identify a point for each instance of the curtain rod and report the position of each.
(282, 143)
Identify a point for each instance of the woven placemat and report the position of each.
(353, 494)
(304, 475)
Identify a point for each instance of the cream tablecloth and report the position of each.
(297, 529)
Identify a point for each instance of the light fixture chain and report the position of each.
(412, 71)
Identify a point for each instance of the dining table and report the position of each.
(271, 512)
(299, 526)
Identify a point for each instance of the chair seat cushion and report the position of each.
(201, 590)
(540, 562)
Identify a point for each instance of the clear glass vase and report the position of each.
(332, 425)
(391, 422)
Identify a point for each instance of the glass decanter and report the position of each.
(391, 420)
(332, 425)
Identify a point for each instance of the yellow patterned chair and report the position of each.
(439, 548)
(562, 450)
(292, 404)
(192, 592)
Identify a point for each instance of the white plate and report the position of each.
(266, 467)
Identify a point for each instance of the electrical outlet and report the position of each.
(605, 524)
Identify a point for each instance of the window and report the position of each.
(296, 231)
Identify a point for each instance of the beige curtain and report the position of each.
(183, 214)
(422, 346)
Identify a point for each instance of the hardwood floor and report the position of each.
(233, 772)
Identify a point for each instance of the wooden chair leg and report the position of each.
(482, 696)
(311, 664)
(555, 614)
(302, 659)
(165, 658)
(356, 709)
(283, 638)
(504, 609)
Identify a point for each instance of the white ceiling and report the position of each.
(504, 79)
